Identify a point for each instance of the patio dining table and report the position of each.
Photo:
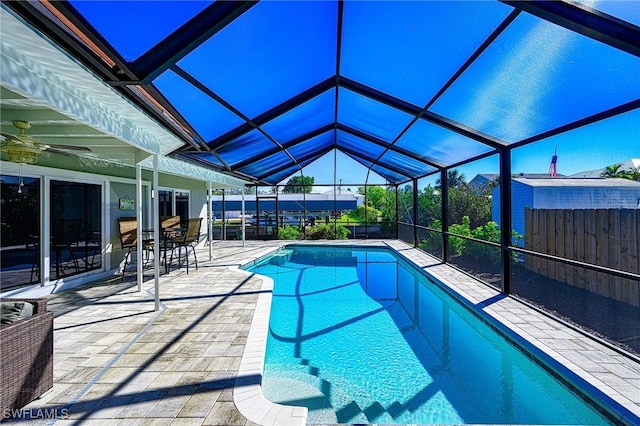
(167, 239)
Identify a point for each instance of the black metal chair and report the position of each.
(65, 242)
(188, 240)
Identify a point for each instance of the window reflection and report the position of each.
(75, 228)
(19, 227)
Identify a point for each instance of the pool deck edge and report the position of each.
(247, 391)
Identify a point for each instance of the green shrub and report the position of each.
(361, 213)
(288, 232)
(484, 252)
(327, 232)
(432, 242)
(516, 238)
(459, 244)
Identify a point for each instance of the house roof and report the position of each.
(580, 183)
(345, 196)
(261, 90)
(632, 163)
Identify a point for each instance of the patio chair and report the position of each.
(65, 241)
(128, 227)
(170, 228)
(170, 222)
(188, 240)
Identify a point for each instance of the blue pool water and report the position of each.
(360, 336)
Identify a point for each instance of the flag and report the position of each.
(553, 168)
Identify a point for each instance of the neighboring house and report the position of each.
(339, 192)
(628, 165)
(319, 205)
(483, 179)
(566, 193)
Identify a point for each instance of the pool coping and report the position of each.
(247, 394)
(575, 357)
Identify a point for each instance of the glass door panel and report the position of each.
(76, 223)
(19, 231)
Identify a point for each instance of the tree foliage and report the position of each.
(616, 171)
(405, 204)
(375, 196)
(328, 232)
(467, 201)
(613, 171)
(429, 206)
(389, 206)
(454, 179)
(288, 232)
(299, 185)
(362, 214)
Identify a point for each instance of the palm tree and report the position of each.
(454, 180)
(634, 174)
(616, 171)
(613, 171)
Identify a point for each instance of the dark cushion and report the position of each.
(13, 311)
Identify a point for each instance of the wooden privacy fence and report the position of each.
(604, 237)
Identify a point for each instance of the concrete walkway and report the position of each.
(120, 362)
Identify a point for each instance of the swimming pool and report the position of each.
(360, 336)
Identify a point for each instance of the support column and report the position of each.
(366, 210)
(45, 232)
(224, 217)
(157, 233)
(415, 212)
(211, 220)
(397, 214)
(243, 214)
(505, 219)
(444, 206)
(138, 204)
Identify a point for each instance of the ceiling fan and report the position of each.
(22, 149)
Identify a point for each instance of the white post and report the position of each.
(156, 233)
(45, 232)
(243, 217)
(210, 222)
(138, 204)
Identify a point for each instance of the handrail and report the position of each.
(565, 261)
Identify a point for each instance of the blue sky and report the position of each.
(592, 147)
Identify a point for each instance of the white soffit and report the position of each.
(35, 67)
(182, 168)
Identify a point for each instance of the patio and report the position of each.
(172, 100)
(117, 361)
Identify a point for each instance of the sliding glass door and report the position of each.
(19, 231)
(76, 224)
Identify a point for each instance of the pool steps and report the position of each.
(281, 257)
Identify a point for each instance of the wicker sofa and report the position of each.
(26, 354)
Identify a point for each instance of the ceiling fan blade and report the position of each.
(10, 137)
(49, 147)
(56, 151)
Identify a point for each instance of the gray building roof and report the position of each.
(580, 182)
(632, 163)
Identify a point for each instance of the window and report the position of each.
(174, 203)
(20, 230)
